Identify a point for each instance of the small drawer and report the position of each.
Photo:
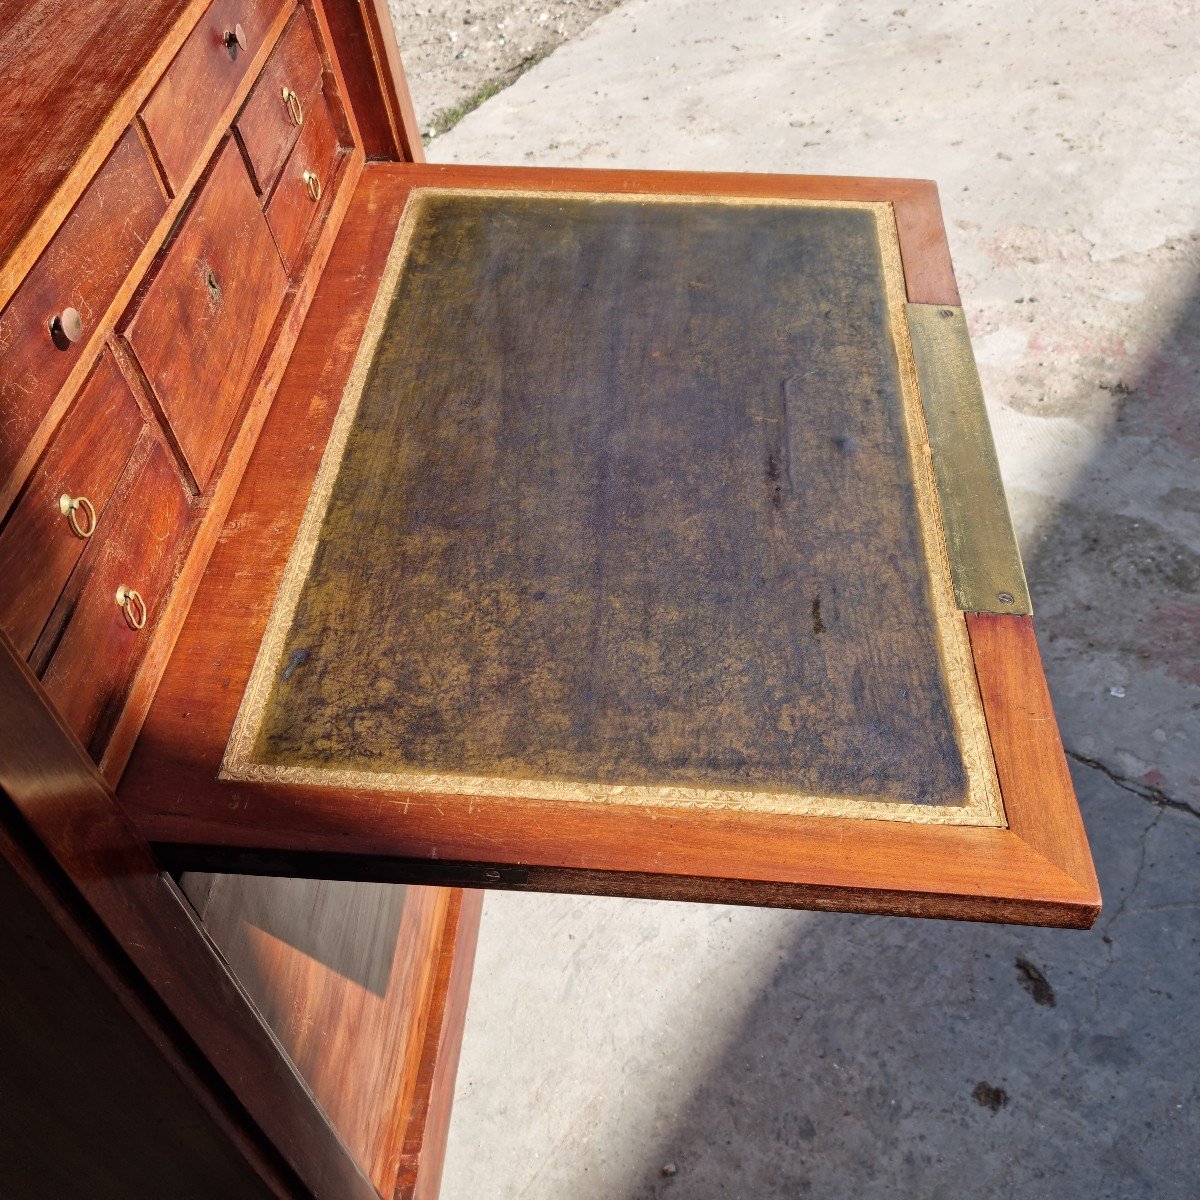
(65, 297)
(202, 79)
(301, 198)
(64, 506)
(274, 114)
(94, 663)
(203, 321)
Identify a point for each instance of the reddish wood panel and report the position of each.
(171, 785)
(425, 1139)
(204, 320)
(83, 268)
(374, 81)
(89, 673)
(38, 548)
(1039, 796)
(45, 772)
(203, 78)
(216, 503)
(305, 187)
(270, 122)
(345, 974)
(928, 271)
(70, 88)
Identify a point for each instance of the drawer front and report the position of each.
(43, 539)
(202, 79)
(203, 321)
(302, 195)
(273, 116)
(82, 269)
(93, 665)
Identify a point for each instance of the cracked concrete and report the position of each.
(627, 1049)
(1144, 790)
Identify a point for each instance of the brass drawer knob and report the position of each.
(235, 40)
(313, 183)
(133, 606)
(292, 102)
(71, 507)
(66, 328)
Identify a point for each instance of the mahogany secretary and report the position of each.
(659, 534)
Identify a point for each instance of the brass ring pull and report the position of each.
(71, 507)
(313, 184)
(292, 101)
(133, 606)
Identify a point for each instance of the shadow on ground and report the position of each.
(1017, 1062)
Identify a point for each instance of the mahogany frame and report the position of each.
(1037, 871)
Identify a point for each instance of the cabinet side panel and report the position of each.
(92, 1102)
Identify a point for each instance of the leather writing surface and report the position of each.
(630, 507)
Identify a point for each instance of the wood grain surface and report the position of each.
(202, 79)
(292, 212)
(93, 663)
(265, 125)
(171, 789)
(38, 549)
(374, 81)
(221, 284)
(69, 92)
(83, 268)
(344, 973)
(1029, 754)
(428, 1124)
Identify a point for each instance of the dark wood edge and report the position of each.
(342, 103)
(393, 82)
(424, 1151)
(959, 872)
(72, 812)
(1061, 905)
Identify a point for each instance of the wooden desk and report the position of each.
(372, 525)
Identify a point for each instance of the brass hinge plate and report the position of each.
(984, 559)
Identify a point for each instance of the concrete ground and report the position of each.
(632, 1049)
(457, 52)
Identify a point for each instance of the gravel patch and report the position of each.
(458, 53)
